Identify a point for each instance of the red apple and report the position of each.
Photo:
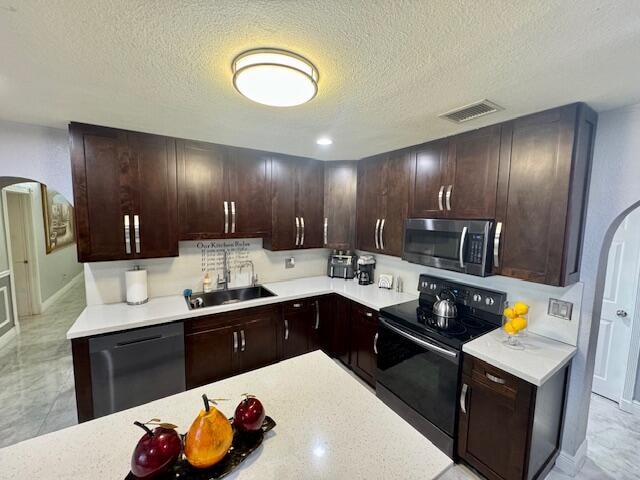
(249, 414)
(156, 451)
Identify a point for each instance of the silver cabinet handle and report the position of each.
(302, 231)
(297, 305)
(286, 329)
(375, 343)
(463, 398)
(127, 235)
(226, 216)
(242, 342)
(136, 232)
(448, 196)
(233, 217)
(297, 231)
(326, 229)
(235, 341)
(440, 194)
(369, 314)
(621, 313)
(496, 245)
(494, 379)
(382, 234)
(463, 238)
(317, 325)
(376, 233)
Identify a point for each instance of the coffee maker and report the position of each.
(366, 265)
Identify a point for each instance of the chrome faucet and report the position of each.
(223, 283)
(254, 277)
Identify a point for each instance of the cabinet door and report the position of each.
(259, 339)
(473, 174)
(156, 198)
(248, 193)
(322, 332)
(369, 202)
(364, 327)
(297, 318)
(283, 204)
(102, 192)
(342, 329)
(210, 355)
(201, 189)
(428, 180)
(340, 180)
(534, 212)
(309, 202)
(395, 198)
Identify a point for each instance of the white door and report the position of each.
(618, 304)
(17, 209)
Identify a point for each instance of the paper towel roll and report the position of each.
(136, 283)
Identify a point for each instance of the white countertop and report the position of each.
(540, 358)
(98, 319)
(328, 426)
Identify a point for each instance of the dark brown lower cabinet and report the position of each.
(363, 335)
(298, 318)
(509, 429)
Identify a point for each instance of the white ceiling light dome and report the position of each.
(273, 77)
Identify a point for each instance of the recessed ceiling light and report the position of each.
(324, 141)
(275, 77)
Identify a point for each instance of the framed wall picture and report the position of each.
(58, 220)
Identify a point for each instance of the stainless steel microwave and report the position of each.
(459, 245)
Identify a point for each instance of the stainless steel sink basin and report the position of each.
(223, 297)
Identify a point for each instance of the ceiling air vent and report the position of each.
(471, 111)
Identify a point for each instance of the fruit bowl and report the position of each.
(243, 445)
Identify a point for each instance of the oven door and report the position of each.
(421, 373)
(458, 245)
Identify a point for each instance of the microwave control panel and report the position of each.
(475, 250)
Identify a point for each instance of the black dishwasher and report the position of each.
(135, 367)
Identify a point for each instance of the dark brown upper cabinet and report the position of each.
(125, 193)
(297, 191)
(382, 202)
(223, 191)
(544, 177)
(339, 225)
(456, 177)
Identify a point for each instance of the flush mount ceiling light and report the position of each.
(275, 77)
(324, 141)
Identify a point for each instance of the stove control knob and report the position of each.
(489, 301)
(433, 286)
(477, 297)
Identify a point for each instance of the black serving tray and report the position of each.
(244, 444)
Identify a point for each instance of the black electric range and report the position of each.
(419, 363)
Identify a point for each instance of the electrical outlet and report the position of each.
(289, 262)
(560, 308)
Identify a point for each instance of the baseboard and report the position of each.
(8, 336)
(56, 296)
(572, 464)
(630, 406)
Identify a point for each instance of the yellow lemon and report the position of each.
(508, 327)
(521, 308)
(509, 313)
(519, 323)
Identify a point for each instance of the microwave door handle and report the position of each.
(463, 238)
(496, 245)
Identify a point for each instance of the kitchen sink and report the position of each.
(224, 297)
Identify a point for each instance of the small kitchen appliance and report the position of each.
(366, 265)
(419, 353)
(342, 264)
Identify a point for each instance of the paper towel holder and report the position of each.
(137, 268)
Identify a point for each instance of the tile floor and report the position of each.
(36, 373)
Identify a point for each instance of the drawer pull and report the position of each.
(369, 314)
(297, 305)
(494, 379)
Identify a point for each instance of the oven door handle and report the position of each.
(423, 343)
(463, 238)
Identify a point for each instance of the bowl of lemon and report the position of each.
(514, 322)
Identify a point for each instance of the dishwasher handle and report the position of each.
(139, 340)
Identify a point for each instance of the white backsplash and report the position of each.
(170, 276)
(534, 294)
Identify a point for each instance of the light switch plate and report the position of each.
(289, 262)
(560, 308)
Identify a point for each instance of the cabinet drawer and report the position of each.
(492, 377)
(365, 312)
(208, 322)
(296, 306)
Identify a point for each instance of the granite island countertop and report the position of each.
(328, 426)
(115, 317)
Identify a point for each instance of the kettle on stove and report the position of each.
(444, 309)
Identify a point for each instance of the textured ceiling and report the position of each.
(387, 68)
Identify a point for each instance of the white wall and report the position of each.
(36, 153)
(614, 189)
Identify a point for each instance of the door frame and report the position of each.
(627, 403)
(35, 298)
